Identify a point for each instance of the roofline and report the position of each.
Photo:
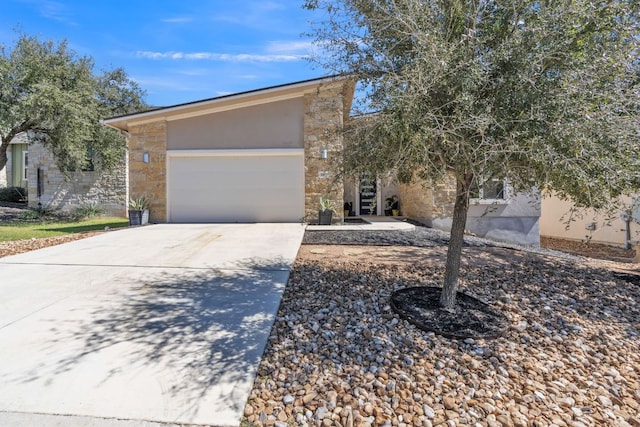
(211, 101)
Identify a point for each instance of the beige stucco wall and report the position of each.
(273, 125)
(149, 179)
(108, 190)
(609, 230)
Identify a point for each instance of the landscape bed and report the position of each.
(339, 355)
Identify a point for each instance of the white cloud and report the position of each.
(294, 46)
(268, 5)
(178, 20)
(53, 10)
(222, 57)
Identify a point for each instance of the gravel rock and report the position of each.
(575, 363)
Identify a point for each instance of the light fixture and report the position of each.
(145, 157)
(323, 154)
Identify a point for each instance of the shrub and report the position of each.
(87, 210)
(33, 214)
(13, 194)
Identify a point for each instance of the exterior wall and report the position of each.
(431, 206)
(149, 179)
(273, 125)
(16, 177)
(556, 212)
(109, 191)
(323, 121)
(5, 173)
(11, 174)
(515, 220)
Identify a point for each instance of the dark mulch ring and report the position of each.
(471, 318)
(629, 277)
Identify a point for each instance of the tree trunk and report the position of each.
(456, 239)
(3, 153)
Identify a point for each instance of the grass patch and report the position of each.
(38, 230)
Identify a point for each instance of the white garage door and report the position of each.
(235, 185)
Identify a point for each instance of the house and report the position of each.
(495, 212)
(560, 220)
(14, 173)
(270, 154)
(32, 166)
(260, 156)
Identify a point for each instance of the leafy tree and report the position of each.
(52, 93)
(543, 93)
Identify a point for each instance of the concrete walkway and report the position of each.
(157, 325)
(373, 223)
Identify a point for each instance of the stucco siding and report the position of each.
(275, 125)
(586, 224)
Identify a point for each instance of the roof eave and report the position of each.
(232, 101)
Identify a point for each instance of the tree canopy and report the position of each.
(543, 93)
(50, 92)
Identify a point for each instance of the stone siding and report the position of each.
(323, 122)
(107, 190)
(432, 206)
(149, 179)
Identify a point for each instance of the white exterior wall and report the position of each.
(515, 220)
(586, 224)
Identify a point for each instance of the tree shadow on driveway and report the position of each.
(202, 331)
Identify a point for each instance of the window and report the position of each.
(493, 189)
(25, 164)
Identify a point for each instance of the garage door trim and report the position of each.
(237, 153)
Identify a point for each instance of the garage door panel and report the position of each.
(243, 188)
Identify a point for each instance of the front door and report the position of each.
(368, 193)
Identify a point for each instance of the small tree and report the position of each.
(52, 93)
(543, 93)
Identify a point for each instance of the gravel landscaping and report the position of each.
(339, 356)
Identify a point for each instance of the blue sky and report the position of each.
(178, 50)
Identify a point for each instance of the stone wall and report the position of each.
(149, 179)
(323, 121)
(108, 190)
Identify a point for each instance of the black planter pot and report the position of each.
(325, 217)
(138, 217)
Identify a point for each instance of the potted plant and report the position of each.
(327, 208)
(393, 206)
(139, 211)
(348, 207)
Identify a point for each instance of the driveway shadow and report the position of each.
(206, 327)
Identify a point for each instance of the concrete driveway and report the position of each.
(163, 324)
